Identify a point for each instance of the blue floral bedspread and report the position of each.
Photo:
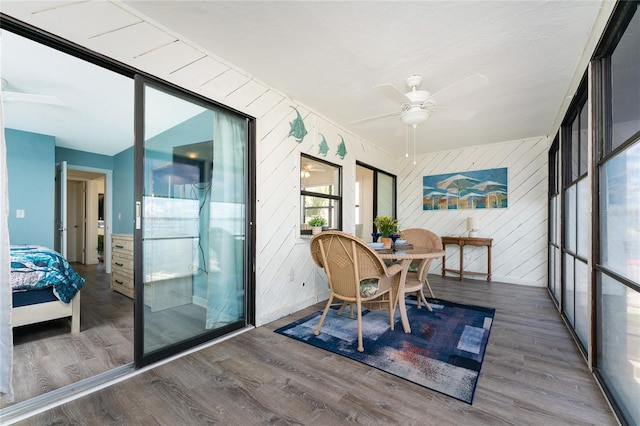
(37, 267)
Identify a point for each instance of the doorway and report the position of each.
(375, 196)
(87, 197)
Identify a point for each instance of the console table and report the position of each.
(467, 241)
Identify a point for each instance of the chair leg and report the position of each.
(359, 314)
(391, 312)
(420, 295)
(341, 308)
(324, 314)
(426, 281)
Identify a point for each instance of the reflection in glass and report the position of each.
(625, 80)
(582, 305)
(568, 294)
(320, 192)
(386, 190)
(619, 356)
(193, 220)
(570, 218)
(557, 268)
(584, 138)
(583, 214)
(620, 213)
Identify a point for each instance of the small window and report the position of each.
(320, 193)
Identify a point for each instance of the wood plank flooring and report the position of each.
(533, 374)
(47, 356)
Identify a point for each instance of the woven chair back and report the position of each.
(347, 261)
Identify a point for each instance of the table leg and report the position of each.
(489, 263)
(400, 296)
(444, 260)
(461, 261)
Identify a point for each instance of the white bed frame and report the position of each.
(31, 314)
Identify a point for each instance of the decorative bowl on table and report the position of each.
(376, 245)
(401, 242)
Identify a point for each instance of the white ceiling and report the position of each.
(94, 117)
(329, 55)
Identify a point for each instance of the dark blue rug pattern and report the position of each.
(443, 352)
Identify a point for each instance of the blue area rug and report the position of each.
(443, 352)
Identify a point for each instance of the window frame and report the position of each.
(604, 151)
(573, 176)
(337, 198)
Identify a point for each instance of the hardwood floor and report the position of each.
(533, 374)
(47, 356)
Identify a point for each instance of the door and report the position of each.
(76, 192)
(60, 219)
(191, 269)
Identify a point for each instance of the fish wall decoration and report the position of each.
(342, 149)
(298, 131)
(324, 146)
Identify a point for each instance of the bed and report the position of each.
(44, 287)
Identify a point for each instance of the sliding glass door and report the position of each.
(375, 196)
(190, 222)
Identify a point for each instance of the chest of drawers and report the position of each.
(122, 264)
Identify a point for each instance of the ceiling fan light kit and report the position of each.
(415, 115)
(418, 105)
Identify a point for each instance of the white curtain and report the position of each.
(225, 289)
(6, 333)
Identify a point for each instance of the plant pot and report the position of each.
(386, 242)
(316, 230)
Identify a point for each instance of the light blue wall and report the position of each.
(31, 160)
(31, 172)
(122, 222)
(83, 158)
(122, 166)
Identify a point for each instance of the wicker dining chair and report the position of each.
(417, 275)
(351, 267)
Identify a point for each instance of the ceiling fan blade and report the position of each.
(28, 97)
(393, 93)
(456, 114)
(389, 114)
(460, 88)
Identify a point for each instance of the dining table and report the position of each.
(406, 255)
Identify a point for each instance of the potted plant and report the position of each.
(316, 223)
(386, 226)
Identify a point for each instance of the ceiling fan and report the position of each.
(12, 96)
(309, 167)
(418, 105)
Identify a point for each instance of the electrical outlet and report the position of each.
(20, 214)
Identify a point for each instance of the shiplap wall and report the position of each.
(519, 232)
(286, 279)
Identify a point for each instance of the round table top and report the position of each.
(414, 253)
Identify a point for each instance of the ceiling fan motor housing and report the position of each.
(418, 96)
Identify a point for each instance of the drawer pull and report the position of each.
(119, 282)
(119, 246)
(119, 264)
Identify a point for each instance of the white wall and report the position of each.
(519, 232)
(286, 279)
